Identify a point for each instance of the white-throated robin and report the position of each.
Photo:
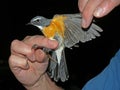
(66, 29)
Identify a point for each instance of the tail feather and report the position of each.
(58, 71)
(63, 71)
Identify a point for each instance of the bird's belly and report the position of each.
(59, 53)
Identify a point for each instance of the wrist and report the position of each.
(44, 83)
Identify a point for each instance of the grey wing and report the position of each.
(74, 33)
(76, 15)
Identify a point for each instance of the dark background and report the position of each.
(84, 62)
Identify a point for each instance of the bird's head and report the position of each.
(39, 21)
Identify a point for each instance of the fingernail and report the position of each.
(32, 58)
(84, 23)
(98, 12)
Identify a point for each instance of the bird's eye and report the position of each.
(38, 20)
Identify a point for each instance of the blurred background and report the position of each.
(84, 62)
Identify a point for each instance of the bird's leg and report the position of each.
(35, 47)
(46, 50)
(49, 56)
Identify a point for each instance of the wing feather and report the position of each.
(75, 33)
(76, 15)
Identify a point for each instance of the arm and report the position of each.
(109, 78)
(29, 66)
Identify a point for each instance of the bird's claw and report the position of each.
(35, 46)
(50, 58)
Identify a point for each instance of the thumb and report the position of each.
(106, 7)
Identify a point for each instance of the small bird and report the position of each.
(66, 29)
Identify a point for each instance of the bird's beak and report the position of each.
(29, 23)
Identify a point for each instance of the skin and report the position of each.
(95, 8)
(29, 66)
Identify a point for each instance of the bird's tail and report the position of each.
(58, 71)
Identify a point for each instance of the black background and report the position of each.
(84, 62)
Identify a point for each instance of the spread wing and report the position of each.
(74, 33)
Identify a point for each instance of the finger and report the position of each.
(17, 63)
(105, 7)
(40, 55)
(19, 48)
(88, 11)
(42, 42)
(82, 4)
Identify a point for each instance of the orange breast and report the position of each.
(56, 26)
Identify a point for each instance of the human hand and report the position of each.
(97, 8)
(29, 66)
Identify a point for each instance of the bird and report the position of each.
(67, 30)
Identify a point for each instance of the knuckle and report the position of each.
(35, 38)
(39, 37)
(27, 37)
(11, 59)
(14, 42)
